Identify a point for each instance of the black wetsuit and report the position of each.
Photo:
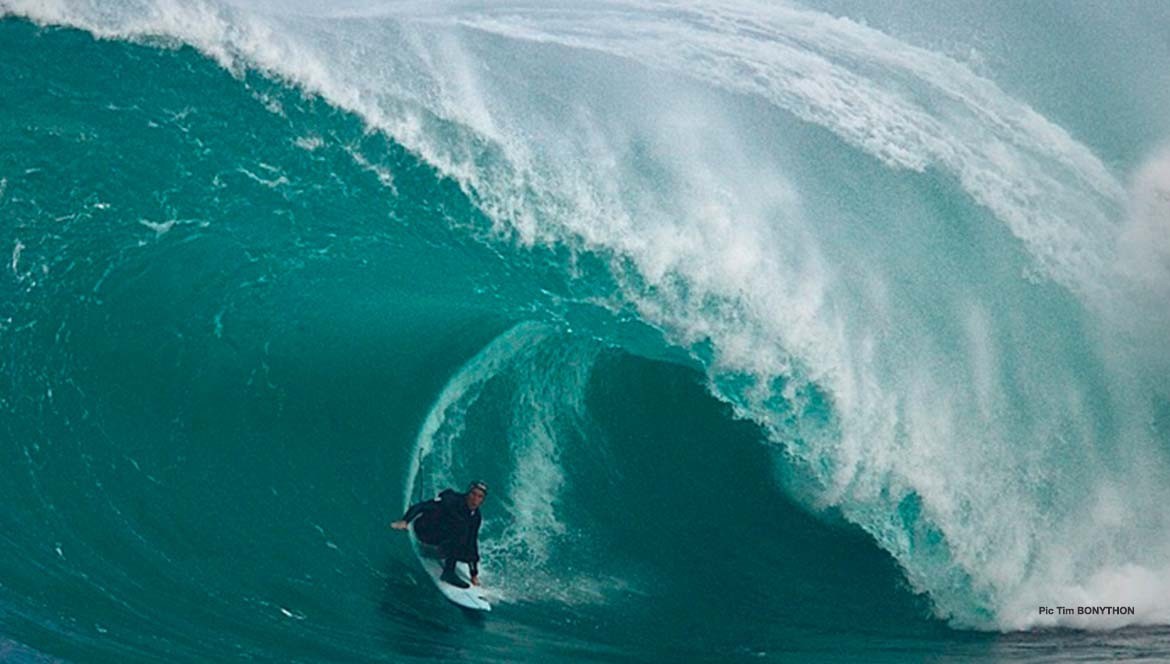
(448, 523)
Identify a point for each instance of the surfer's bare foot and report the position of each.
(398, 525)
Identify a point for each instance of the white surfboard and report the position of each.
(472, 597)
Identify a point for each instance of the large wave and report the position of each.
(945, 310)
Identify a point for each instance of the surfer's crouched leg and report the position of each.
(449, 575)
(427, 532)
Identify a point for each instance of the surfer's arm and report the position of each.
(473, 564)
(420, 508)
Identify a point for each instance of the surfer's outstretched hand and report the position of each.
(475, 580)
(398, 525)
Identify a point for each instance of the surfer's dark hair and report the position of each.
(482, 486)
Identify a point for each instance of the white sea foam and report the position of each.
(1146, 238)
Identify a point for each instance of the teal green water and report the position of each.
(776, 335)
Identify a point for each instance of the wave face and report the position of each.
(774, 328)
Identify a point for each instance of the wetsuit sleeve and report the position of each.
(473, 566)
(420, 508)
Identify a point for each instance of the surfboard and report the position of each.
(472, 597)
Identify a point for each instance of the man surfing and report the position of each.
(450, 523)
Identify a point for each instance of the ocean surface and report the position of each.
(835, 331)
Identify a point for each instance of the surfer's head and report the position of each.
(476, 492)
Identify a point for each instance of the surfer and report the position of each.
(450, 523)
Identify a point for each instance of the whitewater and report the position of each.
(819, 330)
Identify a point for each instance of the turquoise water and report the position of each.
(780, 332)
